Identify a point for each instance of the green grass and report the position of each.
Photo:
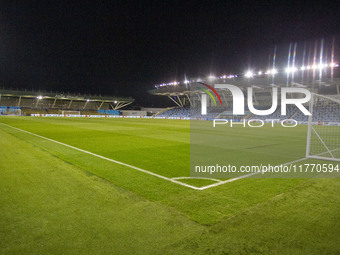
(56, 200)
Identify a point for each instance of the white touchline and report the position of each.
(108, 159)
(173, 180)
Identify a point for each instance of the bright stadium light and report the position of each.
(273, 71)
(292, 69)
(115, 102)
(322, 66)
(249, 74)
(319, 66)
(39, 97)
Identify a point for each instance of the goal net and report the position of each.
(323, 140)
(70, 112)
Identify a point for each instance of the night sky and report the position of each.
(126, 47)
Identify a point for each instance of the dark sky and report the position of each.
(126, 47)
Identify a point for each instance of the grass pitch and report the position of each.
(58, 200)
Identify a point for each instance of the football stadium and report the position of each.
(82, 173)
(169, 127)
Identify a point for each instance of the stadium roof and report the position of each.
(63, 96)
(324, 82)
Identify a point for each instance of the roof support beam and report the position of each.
(69, 106)
(122, 105)
(36, 105)
(101, 105)
(55, 100)
(19, 102)
(117, 106)
(180, 101)
(174, 101)
(85, 104)
(189, 99)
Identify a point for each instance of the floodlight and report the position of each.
(273, 71)
(249, 74)
(291, 69)
(322, 66)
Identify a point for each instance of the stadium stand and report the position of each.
(187, 113)
(29, 111)
(36, 102)
(109, 112)
(322, 112)
(188, 95)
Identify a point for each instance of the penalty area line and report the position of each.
(108, 159)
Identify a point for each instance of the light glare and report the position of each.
(291, 69)
(249, 74)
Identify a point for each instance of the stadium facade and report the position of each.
(18, 102)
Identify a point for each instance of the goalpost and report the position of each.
(323, 139)
(70, 112)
